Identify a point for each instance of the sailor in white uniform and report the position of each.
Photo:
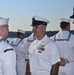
(20, 54)
(43, 53)
(65, 42)
(26, 44)
(7, 53)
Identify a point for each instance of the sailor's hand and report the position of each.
(62, 62)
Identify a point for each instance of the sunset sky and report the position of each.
(20, 12)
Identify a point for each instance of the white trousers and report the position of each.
(68, 69)
(21, 66)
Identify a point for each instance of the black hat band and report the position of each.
(36, 23)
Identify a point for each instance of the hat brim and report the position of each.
(36, 23)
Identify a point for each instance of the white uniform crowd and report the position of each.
(21, 48)
(41, 51)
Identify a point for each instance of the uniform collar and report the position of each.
(62, 36)
(63, 31)
(43, 39)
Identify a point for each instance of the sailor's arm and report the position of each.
(28, 68)
(9, 62)
(55, 68)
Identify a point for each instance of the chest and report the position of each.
(37, 50)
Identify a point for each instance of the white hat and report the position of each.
(4, 21)
(39, 20)
(21, 31)
(68, 20)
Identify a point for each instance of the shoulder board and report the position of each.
(8, 50)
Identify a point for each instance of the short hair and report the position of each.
(63, 25)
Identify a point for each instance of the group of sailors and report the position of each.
(44, 55)
(21, 46)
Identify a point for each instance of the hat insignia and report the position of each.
(33, 20)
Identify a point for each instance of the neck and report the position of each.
(41, 36)
(65, 29)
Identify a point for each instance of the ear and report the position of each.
(1, 30)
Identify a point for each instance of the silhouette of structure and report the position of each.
(72, 16)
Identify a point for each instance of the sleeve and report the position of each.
(54, 54)
(9, 62)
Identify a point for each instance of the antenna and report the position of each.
(72, 16)
(73, 10)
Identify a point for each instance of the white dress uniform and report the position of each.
(42, 55)
(7, 41)
(27, 42)
(20, 56)
(65, 43)
(7, 59)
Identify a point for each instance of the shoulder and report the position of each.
(49, 40)
(13, 40)
(7, 47)
(6, 51)
(52, 37)
(72, 36)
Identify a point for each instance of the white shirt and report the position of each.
(17, 45)
(65, 43)
(27, 42)
(7, 59)
(42, 55)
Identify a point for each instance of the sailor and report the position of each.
(64, 40)
(27, 42)
(43, 53)
(20, 55)
(7, 53)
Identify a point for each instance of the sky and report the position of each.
(20, 12)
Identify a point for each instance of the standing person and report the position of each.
(43, 53)
(65, 42)
(27, 42)
(20, 56)
(7, 53)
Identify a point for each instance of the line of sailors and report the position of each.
(64, 40)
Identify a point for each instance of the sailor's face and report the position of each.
(38, 30)
(5, 30)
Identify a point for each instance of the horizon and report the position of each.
(49, 33)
